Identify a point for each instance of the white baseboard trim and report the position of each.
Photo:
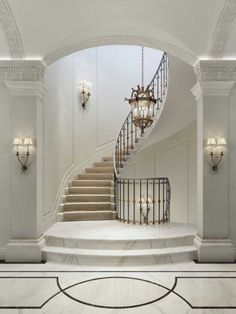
(2, 253)
(214, 250)
(24, 250)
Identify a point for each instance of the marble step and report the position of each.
(118, 257)
(90, 190)
(102, 170)
(118, 244)
(87, 206)
(95, 176)
(103, 164)
(91, 183)
(88, 198)
(88, 215)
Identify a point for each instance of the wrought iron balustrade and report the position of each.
(143, 200)
(129, 133)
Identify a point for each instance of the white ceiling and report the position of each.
(51, 29)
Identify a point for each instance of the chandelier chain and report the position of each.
(142, 66)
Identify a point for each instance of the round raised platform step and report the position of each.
(114, 244)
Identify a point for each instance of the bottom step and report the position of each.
(87, 215)
(119, 257)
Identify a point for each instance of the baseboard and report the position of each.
(21, 251)
(214, 250)
(2, 253)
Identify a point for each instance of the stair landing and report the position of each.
(110, 243)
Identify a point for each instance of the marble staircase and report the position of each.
(111, 243)
(90, 196)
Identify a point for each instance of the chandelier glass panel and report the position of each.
(142, 103)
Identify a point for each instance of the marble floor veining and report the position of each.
(65, 289)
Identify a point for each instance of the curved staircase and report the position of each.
(91, 195)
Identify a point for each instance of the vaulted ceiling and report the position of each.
(49, 30)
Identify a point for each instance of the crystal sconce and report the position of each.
(216, 146)
(85, 91)
(21, 157)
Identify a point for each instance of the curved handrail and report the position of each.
(129, 134)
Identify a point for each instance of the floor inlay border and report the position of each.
(177, 280)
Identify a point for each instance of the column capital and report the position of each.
(215, 70)
(22, 70)
(26, 88)
(214, 78)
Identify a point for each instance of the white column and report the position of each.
(215, 80)
(24, 81)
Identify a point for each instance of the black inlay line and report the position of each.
(117, 307)
(117, 271)
(30, 306)
(171, 290)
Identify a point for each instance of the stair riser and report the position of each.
(103, 164)
(86, 207)
(100, 170)
(119, 244)
(107, 158)
(89, 216)
(88, 198)
(93, 176)
(92, 183)
(91, 260)
(90, 190)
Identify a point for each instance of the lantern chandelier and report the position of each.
(142, 102)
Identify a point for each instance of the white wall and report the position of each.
(175, 158)
(232, 166)
(73, 135)
(4, 166)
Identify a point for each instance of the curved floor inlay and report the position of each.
(150, 290)
(117, 292)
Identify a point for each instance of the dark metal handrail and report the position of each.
(129, 134)
(143, 200)
(126, 141)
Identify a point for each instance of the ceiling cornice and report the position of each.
(11, 31)
(223, 29)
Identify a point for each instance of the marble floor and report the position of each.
(173, 288)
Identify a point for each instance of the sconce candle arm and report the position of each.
(216, 164)
(23, 164)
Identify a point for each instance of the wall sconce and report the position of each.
(216, 150)
(23, 158)
(85, 91)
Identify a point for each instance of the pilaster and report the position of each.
(215, 80)
(25, 83)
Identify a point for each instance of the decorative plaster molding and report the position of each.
(11, 31)
(22, 70)
(182, 54)
(223, 29)
(212, 88)
(217, 70)
(26, 88)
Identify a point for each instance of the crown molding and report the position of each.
(26, 88)
(11, 31)
(223, 29)
(25, 70)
